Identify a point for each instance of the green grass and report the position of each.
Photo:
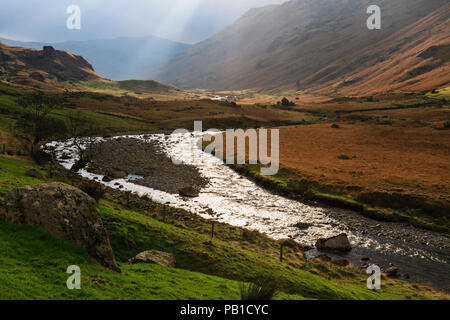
(33, 265)
(12, 174)
(101, 123)
(443, 94)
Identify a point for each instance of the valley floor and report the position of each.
(33, 263)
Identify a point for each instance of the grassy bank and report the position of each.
(33, 262)
(389, 207)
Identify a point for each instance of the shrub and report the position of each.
(41, 157)
(264, 288)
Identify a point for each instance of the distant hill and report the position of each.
(304, 44)
(116, 59)
(48, 68)
(51, 69)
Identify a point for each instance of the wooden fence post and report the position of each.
(281, 252)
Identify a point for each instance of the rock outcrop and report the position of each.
(63, 211)
(154, 257)
(337, 243)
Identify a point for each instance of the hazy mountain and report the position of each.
(312, 43)
(117, 59)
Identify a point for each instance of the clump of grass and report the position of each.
(261, 289)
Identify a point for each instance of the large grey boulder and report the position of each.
(337, 243)
(63, 211)
(154, 257)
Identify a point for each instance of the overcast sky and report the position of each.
(182, 20)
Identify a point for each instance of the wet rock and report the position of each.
(365, 259)
(65, 156)
(107, 179)
(154, 257)
(63, 211)
(341, 262)
(33, 173)
(188, 192)
(337, 243)
(116, 173)
(302, 226)
(392, 272)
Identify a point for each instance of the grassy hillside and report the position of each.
(43, 68)
(119, 58)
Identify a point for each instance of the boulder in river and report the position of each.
(116, 174)
(154, 257)
(188, 192)
(63, 211)
(302, 225)
(337, 243)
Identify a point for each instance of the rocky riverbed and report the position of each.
(144, 163)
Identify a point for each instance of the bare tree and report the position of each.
(76, 125)
(37, 123)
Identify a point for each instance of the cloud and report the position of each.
(182, 20)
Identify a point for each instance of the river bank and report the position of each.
(421, 255)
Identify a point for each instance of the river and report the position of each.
(421, 256)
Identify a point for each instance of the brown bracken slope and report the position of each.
(304, 44)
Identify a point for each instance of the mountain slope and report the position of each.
(117, 59)
(294, 44)
(46, 68)
(416, 58)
